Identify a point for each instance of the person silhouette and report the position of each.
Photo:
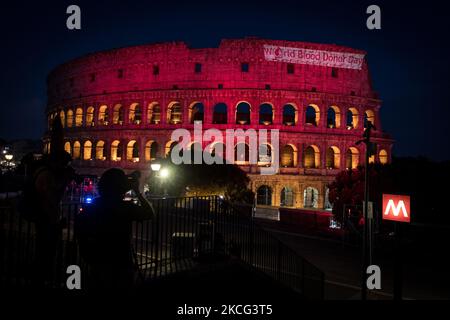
(104, 229)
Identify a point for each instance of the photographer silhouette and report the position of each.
(103, 230)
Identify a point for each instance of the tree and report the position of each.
(202, 180)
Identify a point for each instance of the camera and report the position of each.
(133, 179)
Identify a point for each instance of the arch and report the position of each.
(311, 158)
(369, 115)
(87, 150)
(311, 198)
(151, 150)
(62, 116)
(100, 150)
(333, 117)
(383, 156)
(68, 148)
(352, 118)
(312, 115)
(196, 112)
(288, 156)
(352, 158)
(135, 114)
(169, 147)
(289, 114)
(264, 153)
(264, 196)
(266, 114)
(243, 110)
(118, 114)
(241, 153)
(333, 158)
(103, 116)
(174, 113)
(70, 118)
(287, 197)
(220, 113)
(154, 113)
(76, 150)
(90, 116)
(133, 151)
(116, 151)
(78, 117)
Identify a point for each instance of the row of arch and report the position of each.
(264, 197)
(130, 151)
(134, 114)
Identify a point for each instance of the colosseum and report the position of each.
(119, 108)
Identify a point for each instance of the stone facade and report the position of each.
(119, 108)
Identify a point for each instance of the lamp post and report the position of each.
(8, 158)
(160, 173)
(367, 230)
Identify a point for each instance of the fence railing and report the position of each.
(184, 231)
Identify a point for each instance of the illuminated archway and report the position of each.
(333, 158)
(266, 114)
(87, 150)
(151, 150)
(289, 115)
(196, 112)
(116, 150)
(311, 198)
(103, 116)
(154, 113)
(287, 197)
(69, 118)
(311, 157)
(100, 150)
(243, 110)
(174, 113)
(383, 156)
(118, 114)
(62, 116)
(78, 117)
(133, 151)
(352, 158)
(264, 154)
(135, 114)
(369, 115)
(68, 148)
(333, 117)
(77, 150)
(264, 196)
(352, 118)
(288, 156)
(312, 115)
(90, 116)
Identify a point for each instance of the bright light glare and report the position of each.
(164, 173)
(155, 166)
(9, 157)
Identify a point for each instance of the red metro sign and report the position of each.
(396, 208)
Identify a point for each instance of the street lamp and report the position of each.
(367, 228)
(155, 166)
(9, 157)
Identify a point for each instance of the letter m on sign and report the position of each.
(396, 208)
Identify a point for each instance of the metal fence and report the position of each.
(185, 231)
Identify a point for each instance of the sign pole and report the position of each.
(398, 280)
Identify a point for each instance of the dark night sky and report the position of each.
(408, 58)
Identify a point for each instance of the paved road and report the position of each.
(425, 275)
